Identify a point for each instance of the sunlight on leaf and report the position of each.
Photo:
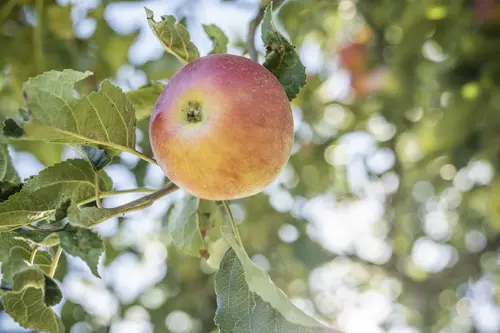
(240, 282)
(15, 254)
(26, 302)
(191, 220)
(38, 237)
(7, 172)
(242, 310)
(103, 118)
(174, 37)
(41, 195)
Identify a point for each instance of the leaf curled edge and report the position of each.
(282, 58)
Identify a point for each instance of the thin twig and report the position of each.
(140, 155)
(137, 190)
(233, 222)
(55, 262)
(86, 201)
(96, 186)
(138, 204)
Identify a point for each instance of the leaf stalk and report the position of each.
(55, 262)
(233, 222)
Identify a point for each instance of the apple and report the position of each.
(222, 128)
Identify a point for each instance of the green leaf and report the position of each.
(99, 158)
(104, 118)
(282, 59)
(190, 221)
(43, 259)
(83, 243)
(210, 215)
(144, 99)
(26, 302)
(61, 211)
(174, 37)
(38, 237)
(219, 39)
(43, 194)
(160, 69)
(47, 153)
(243, 311)
(5, 193)
(217, 249)
(53, 294)
(15, 254)
(12, 129)
(8, 173)
(245, 291)
(183, 226)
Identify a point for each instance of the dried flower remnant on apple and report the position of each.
(193, 112)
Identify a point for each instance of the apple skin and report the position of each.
(222, 128)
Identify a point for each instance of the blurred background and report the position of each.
(387, 218)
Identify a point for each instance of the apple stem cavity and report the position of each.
(193, 112)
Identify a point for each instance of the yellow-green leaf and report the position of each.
(218, 37)
(174, 37)
(8, 173)
(144, 99)
(43, 194)
(190, 222)
(105, 118)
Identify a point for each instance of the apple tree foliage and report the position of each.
(55, 211)
(424, 85)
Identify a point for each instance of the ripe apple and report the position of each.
(222, 128)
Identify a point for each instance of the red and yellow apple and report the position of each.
(222, 128)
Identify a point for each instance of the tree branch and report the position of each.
(86, 201)
(138, 204)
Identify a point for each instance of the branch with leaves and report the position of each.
(54, 212)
